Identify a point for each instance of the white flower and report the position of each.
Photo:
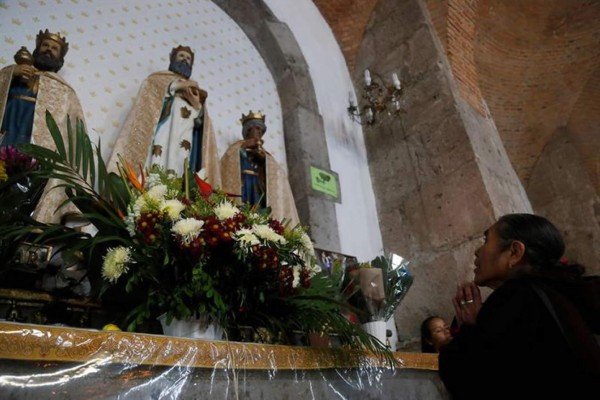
(296, 269)
(130, 224)
(246, 238)
(307, 245)
(173, 208)
(265, 232)
(188, 229)
(138, 205)
(314, 269)
(226, 210)
(152, 180)
(157, 192)
(115, 263)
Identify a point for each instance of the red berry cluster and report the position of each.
(149, 226)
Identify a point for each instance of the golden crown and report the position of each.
(179, 48)
(61, 40)
(252, 115)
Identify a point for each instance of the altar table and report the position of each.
(56, 362)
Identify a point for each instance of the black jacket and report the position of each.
(517, 350)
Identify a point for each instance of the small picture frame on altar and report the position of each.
(326, 259)
(32, 255)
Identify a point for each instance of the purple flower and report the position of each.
(16, 162)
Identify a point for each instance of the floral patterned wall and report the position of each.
(114, 45)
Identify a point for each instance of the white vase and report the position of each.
(377, 329)
(199, 328)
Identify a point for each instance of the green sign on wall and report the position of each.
(324, 181)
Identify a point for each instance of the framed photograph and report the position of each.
(326, 259)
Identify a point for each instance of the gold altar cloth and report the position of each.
(66, 344)
(41, 361)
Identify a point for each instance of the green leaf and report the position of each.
(55, 133)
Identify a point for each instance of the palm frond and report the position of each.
(77, 168)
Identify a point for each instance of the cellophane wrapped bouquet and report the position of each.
(382, 284)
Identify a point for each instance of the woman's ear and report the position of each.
(517, 252)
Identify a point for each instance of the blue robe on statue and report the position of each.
(17, 123)
(253, 191)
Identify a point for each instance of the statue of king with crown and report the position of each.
(169, 122)
(29, 88)
(251, 172)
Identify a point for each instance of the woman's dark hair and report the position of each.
(426, 346)
(544, 244)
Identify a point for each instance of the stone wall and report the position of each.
(561, 189)
(440, 173)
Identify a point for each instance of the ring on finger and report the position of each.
(468, 301)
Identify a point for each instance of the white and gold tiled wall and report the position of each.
(115, 44)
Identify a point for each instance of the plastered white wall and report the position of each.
(356, 215)
(114, 45)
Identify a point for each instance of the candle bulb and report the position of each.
(369, 115)
(367, 77)
(396, 81)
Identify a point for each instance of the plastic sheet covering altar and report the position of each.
(50, 362)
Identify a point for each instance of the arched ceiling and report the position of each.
(534, 64)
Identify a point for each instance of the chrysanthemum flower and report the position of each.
(157, 192)
(173, 209)
(150, 201)
(265, 232)
(246, 238)
(188, 229)
(115, 263)
(226, 210)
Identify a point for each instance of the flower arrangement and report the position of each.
(172, 245)
(18, 192)
(194, 252)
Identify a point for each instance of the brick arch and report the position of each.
(347, 20)
(534, 64)
(533, 67)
